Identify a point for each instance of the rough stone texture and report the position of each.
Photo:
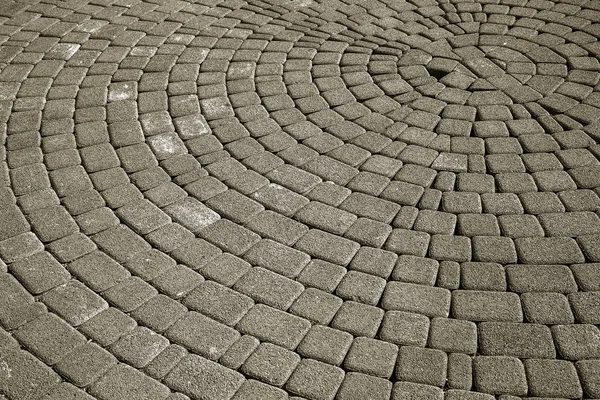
(300, 190)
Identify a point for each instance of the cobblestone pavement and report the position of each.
(273, 199)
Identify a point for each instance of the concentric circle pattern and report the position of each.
(337, 199)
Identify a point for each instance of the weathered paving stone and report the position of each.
(125, 381)
(274, 326)
(427, 300)
(421, 365)
(359, 386)
(358, 319)
(516, 340)
(554, 378)
(39, 272)
(499, 375)
(474, 305)
(315, 380)
(540, 278)
(548, 251)
(269, 288)
(371, 356)
(74, 302)
(252, 389)
(271, 364)
(325, 344)
(328, 247)
(49, 338)
(85, 364)
(202, 335)
(24, 375)
(547, 308)
(588, 371)
(577, 342)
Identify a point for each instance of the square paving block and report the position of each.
(271, 364)
(325, 344)
(202, 335)
(371, 356)
(358, 319)
(315, 380)
(74, 302)
(420, 365)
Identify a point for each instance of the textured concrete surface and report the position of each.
(307, 199)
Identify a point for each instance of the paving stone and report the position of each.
(554, 378)
(359, 386)
(315, 380)
(540, 278)
(319, 244)
(66, 390)
(420, 365)
(277, 258)
(86, 305)
(108, 326)
(474, 305)
(450, 248)
(271, 364)
(239, 352)
(361, 287)
(49, 338)
(251, 389)
(13, 222)
(39, 272)
(585, 275)
(588, 372)
(85, 364)
(269, 288)
(202, 335)
(371, 356)
(358, 319)
(322, 275)
(460, 371)
(516, 340)
(502, 203)
(418, 270)
(52, 223)
(234, 206)
(453, 336)
(130, 294)
(325, 344)
(499, 375)
(404, 241)
(274, 326)
(482, 276)
(218, 302)
(455, 394)
(371, 207)
(196, 253)
(277, 227)
(149, 264)
(317, 306)
(556, 250)
(123, 380)
(585, 307)
(426, 300)
(120, 243)
(159, 313)
(28, 376)
(478, 225)
(417, 391)
(546, 308)
(192, 214)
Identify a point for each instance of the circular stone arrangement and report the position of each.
(335, 199)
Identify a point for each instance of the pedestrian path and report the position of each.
(319, 200)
